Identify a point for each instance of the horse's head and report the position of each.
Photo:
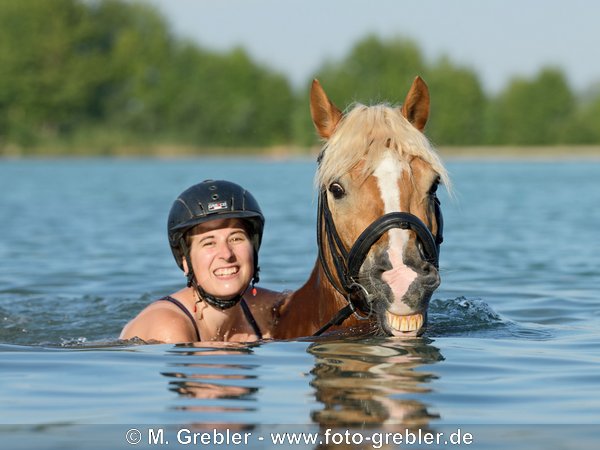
(380, 224)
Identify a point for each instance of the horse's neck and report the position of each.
(306, 310)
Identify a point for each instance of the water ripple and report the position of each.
(474, 317)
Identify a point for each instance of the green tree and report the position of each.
(110, 72)
(67, 63)
(582, 128)
(374, 71)
(136, 47)
(38, 49)
(107, 73)
(531, 112)
(225, 100)
(377, 70)
(457, 102)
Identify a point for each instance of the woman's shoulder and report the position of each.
(161, 321)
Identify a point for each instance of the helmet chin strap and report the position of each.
(215, 302)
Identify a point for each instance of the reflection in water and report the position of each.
(360, 384)
(208, 390)
(366, 382)
(213, 380)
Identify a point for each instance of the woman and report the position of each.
(215, 229)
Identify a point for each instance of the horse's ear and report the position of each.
(325, 114)
(416, 105)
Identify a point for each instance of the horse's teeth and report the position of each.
(405, 323)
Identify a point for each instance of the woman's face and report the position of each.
(222, 256)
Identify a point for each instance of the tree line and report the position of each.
(101, 77)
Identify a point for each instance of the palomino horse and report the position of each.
(379, 222)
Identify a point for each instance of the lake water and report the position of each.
(511, 358)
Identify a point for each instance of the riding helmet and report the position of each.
(212, 200)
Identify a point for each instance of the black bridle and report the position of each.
(347, 264)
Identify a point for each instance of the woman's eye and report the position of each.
(207, 244)
(238, 238)
(337, 190)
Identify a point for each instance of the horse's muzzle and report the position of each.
(400, 296)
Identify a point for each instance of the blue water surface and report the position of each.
(512, 354)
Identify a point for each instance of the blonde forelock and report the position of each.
(364, 134)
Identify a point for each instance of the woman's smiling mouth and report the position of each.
(226, 271)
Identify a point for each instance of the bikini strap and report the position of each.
(182, 307)
(250, 319)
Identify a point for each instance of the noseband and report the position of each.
(347, 264)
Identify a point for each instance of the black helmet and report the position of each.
(210, 200)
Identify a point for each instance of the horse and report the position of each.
(379, 222)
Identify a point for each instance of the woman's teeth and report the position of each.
(226, 271)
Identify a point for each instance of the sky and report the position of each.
(498, 39)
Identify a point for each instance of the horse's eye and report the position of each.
(434, 187)
(337, 190)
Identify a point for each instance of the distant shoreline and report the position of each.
(559, 152)
(483, 153)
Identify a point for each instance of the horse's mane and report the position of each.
(364, 134)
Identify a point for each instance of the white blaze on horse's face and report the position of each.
(400, 276)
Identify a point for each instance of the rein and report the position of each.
(347, 264)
